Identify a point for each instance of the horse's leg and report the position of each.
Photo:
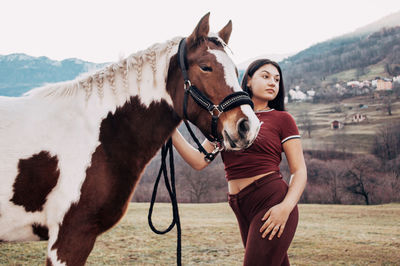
(72, 243)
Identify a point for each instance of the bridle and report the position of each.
(229, 102)
(233, 100)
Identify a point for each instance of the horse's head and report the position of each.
(213, 75)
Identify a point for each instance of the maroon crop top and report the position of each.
(264, 155)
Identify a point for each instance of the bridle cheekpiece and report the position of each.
(229, 102)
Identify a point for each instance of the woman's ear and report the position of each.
(248, 82)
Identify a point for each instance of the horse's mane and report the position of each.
(133, 64)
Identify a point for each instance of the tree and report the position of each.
(335, 173)
(306, 123)
(361, 177)
(387, 103)
(387, 142)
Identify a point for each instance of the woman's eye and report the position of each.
(276, 80)
(206, 68)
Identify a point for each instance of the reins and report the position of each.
(172, 194)
(231, 101)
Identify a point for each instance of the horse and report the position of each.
(73, 152)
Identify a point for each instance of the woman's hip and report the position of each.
(261, 194)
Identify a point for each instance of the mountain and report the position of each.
(388, 21)
(352, 56)
(370, 51)
(20, 72)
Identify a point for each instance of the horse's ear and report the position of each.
(225, 33)
(201, 30)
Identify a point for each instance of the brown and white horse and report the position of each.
(72, 153)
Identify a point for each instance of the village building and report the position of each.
(383, 85)
(354, 84)
(357, 118)
(396, 79)
(297, 95)
(335, 124)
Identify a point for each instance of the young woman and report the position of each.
(264, 205)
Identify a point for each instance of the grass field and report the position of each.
(372, 71)
(326, 235)
(354, 137)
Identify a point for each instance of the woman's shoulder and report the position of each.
(282, 115)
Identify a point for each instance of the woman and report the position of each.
(264, 205)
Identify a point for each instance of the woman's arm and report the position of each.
(275, 218)
(298, 170)
(191, 155)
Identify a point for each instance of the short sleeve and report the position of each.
(289, 128)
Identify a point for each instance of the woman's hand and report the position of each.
(275, 219)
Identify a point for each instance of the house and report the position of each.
(310, 94)
(383, 85)
(366, 83)
(357, 118)
(354, 84)
(340, 89)
(335, 124)
(297, 95)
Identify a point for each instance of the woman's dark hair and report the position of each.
(279, 102)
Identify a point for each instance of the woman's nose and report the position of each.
(271, 82)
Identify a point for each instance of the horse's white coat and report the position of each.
(64, 120)
(231, 80)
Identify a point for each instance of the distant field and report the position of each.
(357, 138)
(326, 235)
(371, 72)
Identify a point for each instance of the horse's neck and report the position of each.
(142, 74)
(140, 132)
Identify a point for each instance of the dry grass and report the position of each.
(354, 137)
(326, 235)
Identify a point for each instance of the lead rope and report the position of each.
(172, 194)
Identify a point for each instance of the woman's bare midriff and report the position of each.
(236, 185)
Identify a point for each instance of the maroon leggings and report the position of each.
(249, 206)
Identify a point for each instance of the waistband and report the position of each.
(254, 185)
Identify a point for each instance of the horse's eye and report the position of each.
(206, 68)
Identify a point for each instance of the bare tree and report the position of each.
(335, 173)
(387, 142)
(306, 122)
(387, 103)
(198, 187)
(361, 177)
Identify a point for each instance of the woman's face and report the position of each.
(264, 83)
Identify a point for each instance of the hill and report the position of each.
(321, 64)
(20, 72)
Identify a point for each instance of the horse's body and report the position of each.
(72, 153)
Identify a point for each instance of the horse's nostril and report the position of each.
(243, 127)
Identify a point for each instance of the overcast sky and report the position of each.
(104, 31)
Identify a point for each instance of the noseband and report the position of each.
(229, 102)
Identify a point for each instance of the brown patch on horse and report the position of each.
(37, 176)
(41, 231)
(129, 139)
(48, 262)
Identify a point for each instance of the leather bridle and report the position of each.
(229, 102)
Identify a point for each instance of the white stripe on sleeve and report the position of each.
(290, 137)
